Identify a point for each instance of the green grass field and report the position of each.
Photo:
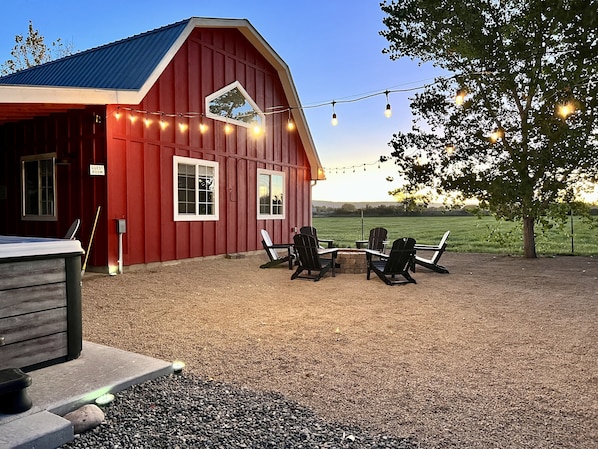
(468, 234)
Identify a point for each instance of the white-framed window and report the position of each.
(232, 104)
(270, 194)
(38, 187)
(195, 189)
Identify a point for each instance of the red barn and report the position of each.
(192, 135)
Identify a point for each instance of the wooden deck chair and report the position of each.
(377, 239)
(432, 263)
(310, 230)
(396, 263)
(71, 234)
(273, 252)
(311, 258)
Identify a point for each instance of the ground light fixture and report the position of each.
(104, 399)
(177, 366)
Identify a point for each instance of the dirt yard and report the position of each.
(500, 353)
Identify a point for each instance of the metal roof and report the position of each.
(123, 72)
(124, 64)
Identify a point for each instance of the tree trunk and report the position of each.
(529, 239)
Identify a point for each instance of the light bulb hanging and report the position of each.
(182, 125)
(388, 110)
(334, 120)
(290, 123)
(460, 96)
(202, 126)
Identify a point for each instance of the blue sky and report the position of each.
(332, 47)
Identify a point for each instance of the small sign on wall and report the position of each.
(97, 170)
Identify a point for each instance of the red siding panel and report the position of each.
(208, 61)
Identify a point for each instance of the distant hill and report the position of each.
(358, 205)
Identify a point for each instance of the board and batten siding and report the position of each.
(140, 158)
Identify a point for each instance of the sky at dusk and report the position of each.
(332, 47)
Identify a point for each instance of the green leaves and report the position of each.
(520, 63)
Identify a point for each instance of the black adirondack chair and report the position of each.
(273, 252)
(310, 230)
(377, 239)
(432, 263)
(397, 263)
(310, 258)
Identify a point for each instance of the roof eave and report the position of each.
(65, 95)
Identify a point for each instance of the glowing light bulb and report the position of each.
(334, 120)
(147, 122)
(290, 125)
(183, 127)
(132, 117)
(117, 114)
(163, 124)
(388, 111)
(257, 130)
(228, 129)
(565, 109)
(460, 96)
(449, 148)
(203, 128)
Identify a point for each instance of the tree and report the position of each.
(31, 50)
(525, 136)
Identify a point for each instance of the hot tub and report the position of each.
(40, 301)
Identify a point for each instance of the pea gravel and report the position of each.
(183, 411)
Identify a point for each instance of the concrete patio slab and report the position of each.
(61, 388)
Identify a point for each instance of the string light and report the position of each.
(388, 110)
(290, 124)
(563, 109)
(497, 134)
(353, 167)
(163, 123)
(334, 119)
(460, 96)
(182, 125)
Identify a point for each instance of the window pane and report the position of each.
(47, 186)
(186, 191)
(264, 193)
(234, 105)
(31, 193)
(277, 192)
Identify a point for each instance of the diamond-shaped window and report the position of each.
(232, 104)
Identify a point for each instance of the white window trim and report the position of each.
(260, 216)
(197, 162)
(253, 104)
(38, 157)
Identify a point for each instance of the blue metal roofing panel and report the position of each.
(125, 64)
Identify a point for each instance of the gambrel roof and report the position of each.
(123, 72)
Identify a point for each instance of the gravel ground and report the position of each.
(500, 353)
(184, 411)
